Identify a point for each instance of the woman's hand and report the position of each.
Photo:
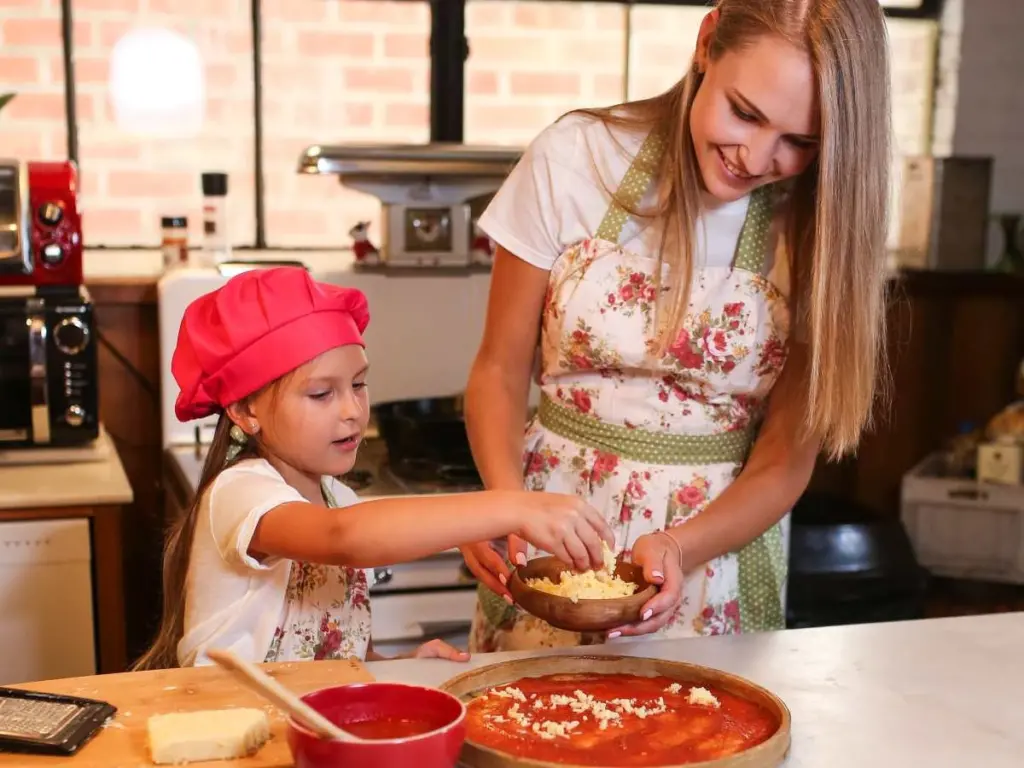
(438, 649)
(489, 568)
(661, 558)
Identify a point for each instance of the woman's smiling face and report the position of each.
(755, 119)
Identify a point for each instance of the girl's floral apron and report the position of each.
(326, 612)
(651, 441)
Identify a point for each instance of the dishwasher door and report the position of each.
(46, 601)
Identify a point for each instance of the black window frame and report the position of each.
(449, 49)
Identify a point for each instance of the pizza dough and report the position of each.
(616, 720)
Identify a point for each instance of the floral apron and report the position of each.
(650, 441)
(326, 613)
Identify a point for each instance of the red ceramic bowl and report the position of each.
(410, 726)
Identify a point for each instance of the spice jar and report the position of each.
(216, 245)
(174, 240)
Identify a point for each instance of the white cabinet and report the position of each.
(46, 601)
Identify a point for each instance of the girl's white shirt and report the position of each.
(232, 600)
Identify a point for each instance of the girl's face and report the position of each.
(755, 118)
(314, 421)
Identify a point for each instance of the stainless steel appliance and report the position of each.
(431, 195)
(48, 369)
(944, 217)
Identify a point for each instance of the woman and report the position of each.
(705, 271)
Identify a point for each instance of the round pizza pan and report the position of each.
(767, 754)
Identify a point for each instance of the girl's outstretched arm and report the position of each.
(399, 529)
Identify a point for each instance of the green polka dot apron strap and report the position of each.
(494, 608)
(762, 563)
(632, 188)
(637, 444)
(752, 248)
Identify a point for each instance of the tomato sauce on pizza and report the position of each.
(616, 720)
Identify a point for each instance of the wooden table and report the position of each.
(98, 491)
(138, 695)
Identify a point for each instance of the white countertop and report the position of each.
(67, 477)
(941, 693)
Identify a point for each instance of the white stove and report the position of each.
(412, 602)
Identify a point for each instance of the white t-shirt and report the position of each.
(232, 600)
(561, 188)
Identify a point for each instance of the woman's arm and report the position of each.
(771, 482)
(499, 382)
(400, 529)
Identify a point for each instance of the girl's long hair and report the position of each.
(837, 218)
(163, 654)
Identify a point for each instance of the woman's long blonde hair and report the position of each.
(837, 218)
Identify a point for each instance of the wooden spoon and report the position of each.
(267, 687)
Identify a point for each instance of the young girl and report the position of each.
(268, 561)
(705, 272)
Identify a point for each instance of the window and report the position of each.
(530, 62)
(660, 47)
(133, 173)
(913, 45)
(34, 125)
(164, 91)
(355, 71)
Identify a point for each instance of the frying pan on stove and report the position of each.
(427, 435)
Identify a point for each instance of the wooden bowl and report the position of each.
(583, 615)
(468, 685)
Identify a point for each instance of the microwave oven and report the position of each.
(40, 224)
(48, 369)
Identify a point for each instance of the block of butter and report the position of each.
(219, 734)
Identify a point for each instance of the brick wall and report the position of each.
(339, 71)
(128, 182)
(30, 62)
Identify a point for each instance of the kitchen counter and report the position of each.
(942, 693)
(84, 483)
(90, 476)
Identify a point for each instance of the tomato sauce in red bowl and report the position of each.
(407, 725)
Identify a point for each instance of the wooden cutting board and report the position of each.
(137, 695)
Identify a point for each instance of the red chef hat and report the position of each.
(257, 327)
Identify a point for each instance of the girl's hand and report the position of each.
(488, 566)
(661, 558)
(564, 525)
(438, 649)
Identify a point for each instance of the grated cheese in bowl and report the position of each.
(602, 584)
